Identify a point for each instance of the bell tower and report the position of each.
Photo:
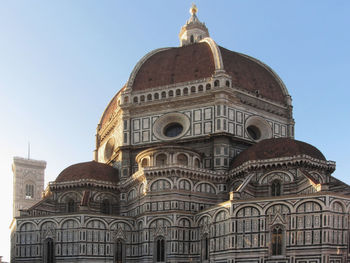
(28, 183)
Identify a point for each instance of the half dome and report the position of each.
(88, 171)
(277, 148)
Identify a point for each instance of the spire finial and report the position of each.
(193, 9)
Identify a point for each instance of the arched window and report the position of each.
(144, 162)
(192, 39)
(160, 250)
(277, 240)
(200, 88)
(149, 97)
(193, 89)
(70, 206)
(142, 98)
(182, 159)
(208, 86)
(156, 96)
(205, 248)
(161, 160)
(227, 83)
(136, 100)
(106, 207)
(185, 91)
(197, 164)
(29, 191)
(119, 251)
(49, 250)
(276, 188)
(163, 94)
(216, 83)
(171, 93)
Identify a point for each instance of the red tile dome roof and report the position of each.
(277, 148)
(196, 61)
(88, 170)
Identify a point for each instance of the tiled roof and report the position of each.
(88, 170)
(175, 65)
(250, 75)
(277, 148)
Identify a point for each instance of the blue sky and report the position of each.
(62, 61)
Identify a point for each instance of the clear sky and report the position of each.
(61, 62)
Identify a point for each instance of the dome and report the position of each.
(196, 61)
(277, 148)
(88, 170)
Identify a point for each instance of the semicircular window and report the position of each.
(173, 129)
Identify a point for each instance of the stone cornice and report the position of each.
(82, 183)
(298, 160)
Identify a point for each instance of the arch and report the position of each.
(171, 93)
(300, 202)
(98, 197)
(208, 86)
(227, 83)
(91, 220)
(207, 183)
(159, 219)
(131, 194)
(182, 159)
(135, 99)
(264, 179)
(185, 91)
(200, 88)
(283, 203)
(184, 217)
(217, 83)
(219, 213)
(76, 196)
(193, 89)
(163, 94)
(149, 97)
(338, 206)
(145, 162)
(142, 98)
(158, 184)
(179, 184)
(156, 96)
(161, 159)
(202, 217)
(43, 223)
(236, 211)
(25, 225)
(121, 222)
(60, 225)
(178, 92)
(196, 163)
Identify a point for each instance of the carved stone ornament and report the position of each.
(160, 231)
(49, 233)
(118, 234)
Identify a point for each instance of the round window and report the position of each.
(254, 132)
(173, 129)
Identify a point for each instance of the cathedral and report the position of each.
(195, 161)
